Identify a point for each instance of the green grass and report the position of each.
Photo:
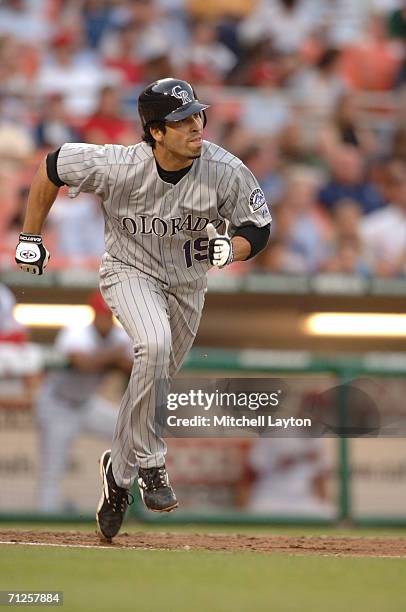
(198, 581)
(149, 581)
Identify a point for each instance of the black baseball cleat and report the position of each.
(156, 491)
(113, 502)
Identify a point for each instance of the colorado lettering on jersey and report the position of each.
(142, 224)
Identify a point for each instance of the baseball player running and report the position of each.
(166, 201)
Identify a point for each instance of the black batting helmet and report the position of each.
(169, 100)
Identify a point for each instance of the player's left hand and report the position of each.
(220, 248)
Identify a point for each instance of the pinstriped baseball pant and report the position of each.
(163, 325)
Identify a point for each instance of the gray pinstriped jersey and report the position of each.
(157, 227)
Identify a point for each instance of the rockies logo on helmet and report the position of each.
(169, 100)
(181, 94)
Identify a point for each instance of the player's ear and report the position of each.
(157, 134)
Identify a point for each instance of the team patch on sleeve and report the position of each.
(257, 200)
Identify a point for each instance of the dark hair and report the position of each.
(327, 59)
(147, 136)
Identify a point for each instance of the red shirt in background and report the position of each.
(100, 129)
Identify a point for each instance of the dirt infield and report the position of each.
(325, 545)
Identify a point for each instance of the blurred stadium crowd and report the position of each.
(309, 94)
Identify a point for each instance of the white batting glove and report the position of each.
(31, 254)
(220, 248)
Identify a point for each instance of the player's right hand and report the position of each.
(31, 254)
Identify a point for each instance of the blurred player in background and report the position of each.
(69, 404)
(290, 477)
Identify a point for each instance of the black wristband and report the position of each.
(52, 171)
(257, 237)
(25, 237)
